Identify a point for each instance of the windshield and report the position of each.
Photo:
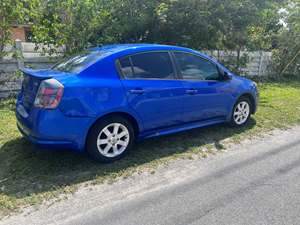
(76, 64)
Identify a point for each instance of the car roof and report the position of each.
(119, 50)
(122, 47)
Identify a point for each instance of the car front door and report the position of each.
(152, 88)
(207, 96)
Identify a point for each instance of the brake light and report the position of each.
(49, 94)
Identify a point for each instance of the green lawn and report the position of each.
(29, 175)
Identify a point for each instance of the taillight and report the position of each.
(49, 94)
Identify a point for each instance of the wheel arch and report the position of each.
(132, 119)
(252, 100)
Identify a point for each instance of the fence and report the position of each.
(258, 63)
(28, 55)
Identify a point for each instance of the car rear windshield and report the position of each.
(78, 63)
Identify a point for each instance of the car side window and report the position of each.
(192, 67)
(126, 68)
(149, 65)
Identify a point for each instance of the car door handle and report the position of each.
(138, 91)
(191, 91)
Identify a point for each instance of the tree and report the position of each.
(287, 52)
(131, 20)
(232, 25)
(69, 23)
(12, 12)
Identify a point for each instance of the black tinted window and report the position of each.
(195, 68)
(149, 65)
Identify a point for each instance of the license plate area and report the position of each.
(29, 89)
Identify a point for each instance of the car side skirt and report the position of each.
(180, 128)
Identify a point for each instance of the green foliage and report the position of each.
(196, 23)
(13, 12)
(131, 20)
(70, 23)
(232, 25)
(286, 55)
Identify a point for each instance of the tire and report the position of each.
(106, 143)
(241, 112)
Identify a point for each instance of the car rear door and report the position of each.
(152, 89)
(207, 96)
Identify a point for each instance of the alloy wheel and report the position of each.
(241, 112)
(113, 140)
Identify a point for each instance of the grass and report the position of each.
(29, 176)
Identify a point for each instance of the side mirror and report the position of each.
(224, 74)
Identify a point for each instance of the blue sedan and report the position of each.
(104, 99)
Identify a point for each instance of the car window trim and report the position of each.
(119, 70)
(123, 77)
(180, 77)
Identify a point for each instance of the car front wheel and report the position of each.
(110, 139)
(241, 112)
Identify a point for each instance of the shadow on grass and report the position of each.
(26, 170)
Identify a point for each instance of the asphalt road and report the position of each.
(255, 183)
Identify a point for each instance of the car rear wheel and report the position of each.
(241, 112)
(110, 139)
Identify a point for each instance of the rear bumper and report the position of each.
(44, 143)
(52, 129)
